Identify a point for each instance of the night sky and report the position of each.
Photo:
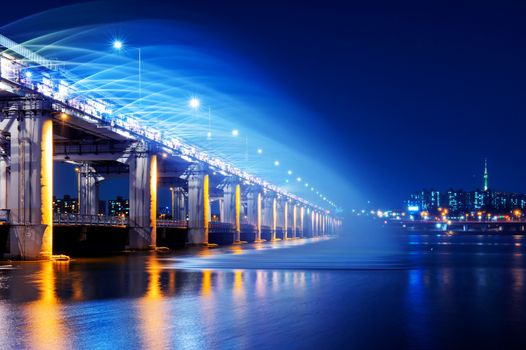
(406, 96)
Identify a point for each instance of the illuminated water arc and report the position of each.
(107, 79)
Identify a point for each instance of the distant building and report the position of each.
(165, 213)
(459, 201)
(118, 207)
(65, 205)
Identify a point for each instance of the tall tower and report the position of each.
(485, 175)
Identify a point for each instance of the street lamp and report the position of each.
(194, 103)
(119, 45)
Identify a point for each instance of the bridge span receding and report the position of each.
(45, 120)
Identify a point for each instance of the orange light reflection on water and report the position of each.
(46, 326)
(152, 313)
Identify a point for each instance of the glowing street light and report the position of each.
(298, 179)
(117, 44)
(289, 172)
(235, 132)
(260, 151)
(276, 162)
(194, 102)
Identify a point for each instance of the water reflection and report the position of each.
(44, 317)
(241, 297)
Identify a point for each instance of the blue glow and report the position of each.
(117, 44)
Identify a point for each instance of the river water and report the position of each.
(371, 288)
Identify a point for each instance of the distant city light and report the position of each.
(260, 151)
(298, 179)
(306, 185)
(312, 188)
(287, 180)
(117, 44)
(413, 208)
(276, 162)
(209, 135)
(235, 132)
(289, 172)
(194, 102)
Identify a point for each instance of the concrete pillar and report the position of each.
(143, 200)
(180, 205)
(198, 205)
(89, 190)
(30, 197)
(295, 221)
(285, 218)
(302, 222)
(319, 222)
(221, 204)
(314, 224)
(254, 210)
(232, 206)
(3, 180)
(269, 214)
(178, 202)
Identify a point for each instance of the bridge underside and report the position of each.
(207, 206)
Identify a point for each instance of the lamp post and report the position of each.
(119, 45)
(194, 104)
(77, 170)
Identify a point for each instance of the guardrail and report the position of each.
(220, 227)
(89, 220)
(172, 223)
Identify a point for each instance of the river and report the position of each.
(371, 288)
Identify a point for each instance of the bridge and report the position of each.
(45, 118)
(458, 226)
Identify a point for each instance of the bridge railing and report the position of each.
(172, 223)
(90, 220)
(220, 227)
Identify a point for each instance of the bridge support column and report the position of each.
(254, 210)
(269, 214)
(143, 201)
(285, 217)
(30, 197)
(301, 228)
(178, 204)
(198, 205)
(294, 221)
(314, 224)
(3, 180)
(89, 190)
(232, 206)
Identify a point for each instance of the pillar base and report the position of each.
(205, 245)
